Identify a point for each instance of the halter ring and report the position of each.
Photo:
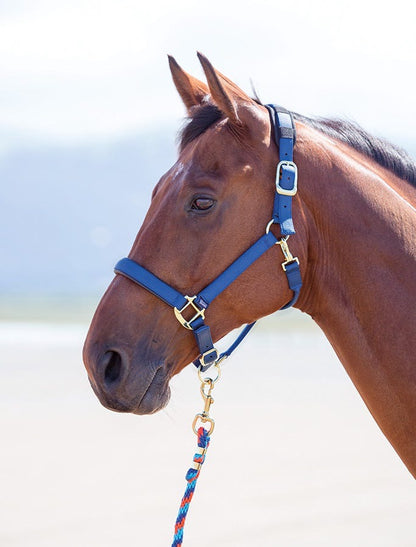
(182, 320)
(268, 225)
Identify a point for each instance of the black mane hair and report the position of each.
(381, 151)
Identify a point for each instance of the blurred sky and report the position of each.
(86, 70)
(87, 106)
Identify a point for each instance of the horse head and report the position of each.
(213, 203)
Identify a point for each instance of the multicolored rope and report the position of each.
(191, 476)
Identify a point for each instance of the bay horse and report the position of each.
(355, 221)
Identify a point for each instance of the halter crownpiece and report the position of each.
(195, 306)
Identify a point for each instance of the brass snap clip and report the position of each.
(286, 252)
(207, 385)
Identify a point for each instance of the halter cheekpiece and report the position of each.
(286, 188)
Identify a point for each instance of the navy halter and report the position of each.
(286, 188)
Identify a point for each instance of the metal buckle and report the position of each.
(284, 264)
(286, 252)
(182, 320)
(201, 359)
(285, 191)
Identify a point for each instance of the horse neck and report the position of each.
(359, 281)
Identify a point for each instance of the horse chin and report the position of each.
(141, 399)
(152, 401)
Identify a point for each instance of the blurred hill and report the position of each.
(69, 213)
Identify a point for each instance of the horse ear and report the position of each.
(224, 92)
(191, 90)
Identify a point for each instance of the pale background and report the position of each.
(88, 117)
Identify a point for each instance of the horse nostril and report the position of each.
(113, 368)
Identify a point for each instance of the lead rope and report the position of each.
(207, 385)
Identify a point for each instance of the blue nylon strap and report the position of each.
(295, 282)
(173, 298)
(238, 340)
(286, 174)
(205, 345)
(131, 269)
(146, 279)
(239, 266)
(206, 296)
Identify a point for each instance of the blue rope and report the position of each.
(191, 477)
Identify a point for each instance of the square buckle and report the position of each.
(284, 264)
(285, 191)
(211, 352)
(182, 320)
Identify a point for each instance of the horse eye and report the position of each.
(202, 204)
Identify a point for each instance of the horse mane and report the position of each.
(387, 155)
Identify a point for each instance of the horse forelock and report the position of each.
(205, 116)
(202, 117)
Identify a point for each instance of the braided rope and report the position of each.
(191, 476)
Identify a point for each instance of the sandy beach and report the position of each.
(295, 460)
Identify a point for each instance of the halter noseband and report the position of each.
(286, 188)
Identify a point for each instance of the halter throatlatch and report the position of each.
(195, 306)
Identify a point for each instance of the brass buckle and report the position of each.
(286, 252)
(284, 191)
(182, 320)
(201, 359)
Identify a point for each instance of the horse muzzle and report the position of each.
(123, 385)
